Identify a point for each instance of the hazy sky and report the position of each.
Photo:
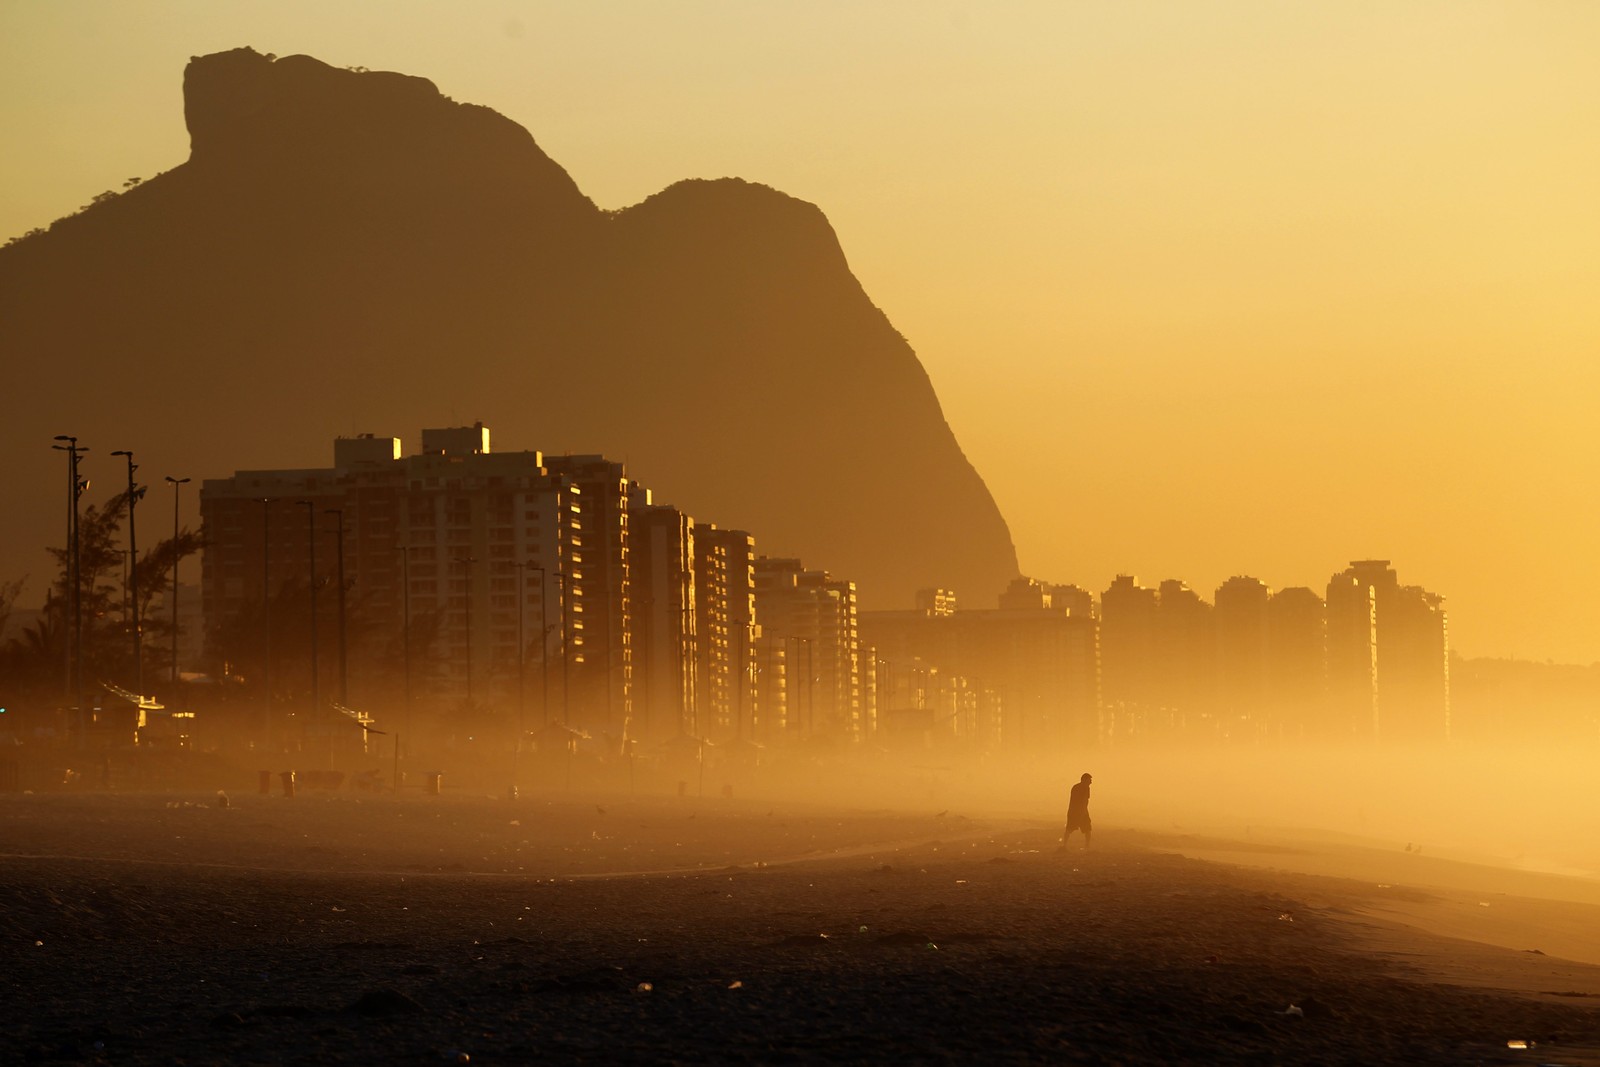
(1206, 288)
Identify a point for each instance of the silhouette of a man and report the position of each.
(1078, 810)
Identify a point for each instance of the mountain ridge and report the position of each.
(352, 250)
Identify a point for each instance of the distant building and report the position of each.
(1025, 676)
(465, 579)
(666, 621)
(1414, 667)
(725, 605)
(1297, 675)
(1388, 657)
(1025, 594)
(1079, 603)
(602, 681)
(1185, 661)
(770, 685)
(1128, 667)
(814, 615)
(1240, 614)
(1353, 647)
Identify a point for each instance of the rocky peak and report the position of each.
(299, 114)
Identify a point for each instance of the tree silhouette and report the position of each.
(35, 660)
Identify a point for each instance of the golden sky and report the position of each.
(1206, 288)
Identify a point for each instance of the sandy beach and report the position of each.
(342, 928)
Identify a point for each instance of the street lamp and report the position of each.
(134, 496)
(467, 562)
(566, 677)
(405, 632)
(74, 661)
(177, 484)
(266, 623)
(311, 542)
(810, 679)
(523, 568)
(344, 692)
(746, 676)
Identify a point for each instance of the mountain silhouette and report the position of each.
(351, 251)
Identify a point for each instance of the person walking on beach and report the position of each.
(1078, 810)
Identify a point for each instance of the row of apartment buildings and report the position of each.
(556, 587)
(1370, 661)
(551, 585)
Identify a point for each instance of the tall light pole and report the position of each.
(544, 648)
(885, 693)
(266, 623)
(405, 632)
(566, 677)
(311, 542)
(177, 484)
(746, 675)
(810, 681)
(522, 660)
(134, 495)
(523, 570)
(344, 691)
(75, 488)
(467, 562)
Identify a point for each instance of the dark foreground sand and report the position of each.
(150, 929)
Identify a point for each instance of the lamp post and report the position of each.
(810, 682)
(405, 651)
(266, 623)
(74, 659)
(467, 562)
(523, 570)
(311, 543)
(405, 633)
(544, 648)
(522, 656)
(134, 495)
(523, 567)
(566, 704)
(344, 691)
(177, 485)
(885, 694)
(745, 674)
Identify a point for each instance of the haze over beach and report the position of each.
(613, 532)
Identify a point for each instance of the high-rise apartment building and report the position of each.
(1388, 657)
(1128, 669)
(1025, 676)
(1297, 674)
(1240, 615)
(814, 615)
(935, 601)
(1414, 667)
(465, 581)
(1077, 602)
(602, 681)
(726, 608)
(1353, 596)
(666, 621)
(1185, 658)
(1025, 594)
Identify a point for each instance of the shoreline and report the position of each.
(1556, 915)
